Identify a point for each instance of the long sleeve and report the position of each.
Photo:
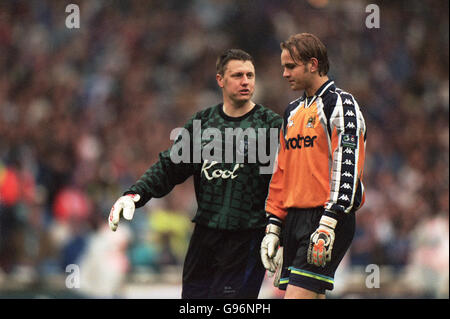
(275, 198)
(162, 176)
(348, 139)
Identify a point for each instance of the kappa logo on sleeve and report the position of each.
(350, 141)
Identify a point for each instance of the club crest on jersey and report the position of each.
(311, 122)
(290, 123)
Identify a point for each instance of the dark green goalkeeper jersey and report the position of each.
(229, 158)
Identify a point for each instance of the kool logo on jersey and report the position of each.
(210, 171)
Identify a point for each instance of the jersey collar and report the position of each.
(328, 85)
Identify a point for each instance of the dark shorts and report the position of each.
(223, 264)
(297, 229)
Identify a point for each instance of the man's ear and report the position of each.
(219, 79)
(314, 65)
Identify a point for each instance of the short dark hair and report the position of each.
(232, 54)
(304, 46)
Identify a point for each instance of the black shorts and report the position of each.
(297, 229)
(223, 264)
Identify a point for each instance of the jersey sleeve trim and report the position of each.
(347, 127)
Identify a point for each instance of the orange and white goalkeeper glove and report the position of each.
(125, 207)
(321, 242)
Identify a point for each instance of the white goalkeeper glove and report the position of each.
(125, 207)
(321, 242)
(270, 243)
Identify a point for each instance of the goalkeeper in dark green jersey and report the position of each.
(229, 148)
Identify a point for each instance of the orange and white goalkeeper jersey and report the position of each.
(321, 154)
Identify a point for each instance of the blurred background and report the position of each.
(85, 111)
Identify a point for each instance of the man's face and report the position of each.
(238, 81)
(297, 74)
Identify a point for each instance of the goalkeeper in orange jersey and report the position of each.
(317, 185)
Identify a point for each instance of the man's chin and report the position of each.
(296, 88)
(239, 102)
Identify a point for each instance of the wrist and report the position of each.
(328, 220)
(273, 229)
(143, 198)
(273, 225)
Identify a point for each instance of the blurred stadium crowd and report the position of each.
(84, 112)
